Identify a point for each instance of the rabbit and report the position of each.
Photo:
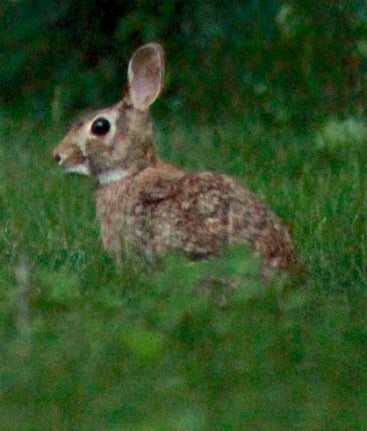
(151, 207)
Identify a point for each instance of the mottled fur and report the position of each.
(152, 207)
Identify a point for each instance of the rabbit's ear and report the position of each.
(145, 75)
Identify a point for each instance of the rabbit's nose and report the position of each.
(57, 158)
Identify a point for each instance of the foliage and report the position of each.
(282, 62)
(181, 345)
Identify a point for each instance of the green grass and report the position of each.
(184, 346)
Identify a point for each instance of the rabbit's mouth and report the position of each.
(72, 161)
(80, 167)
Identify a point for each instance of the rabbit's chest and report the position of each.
(126, 217)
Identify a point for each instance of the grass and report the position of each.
(183, 346)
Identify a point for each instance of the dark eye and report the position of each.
(100, 126)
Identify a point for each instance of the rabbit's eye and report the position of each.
(100, 126)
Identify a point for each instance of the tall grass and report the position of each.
(181, 345)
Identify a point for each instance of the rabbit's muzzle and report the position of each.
(70, 157)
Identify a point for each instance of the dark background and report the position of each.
(293, 62)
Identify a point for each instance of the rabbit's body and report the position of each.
(162, 208)
(152, 207)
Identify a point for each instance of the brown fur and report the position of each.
(152, 207)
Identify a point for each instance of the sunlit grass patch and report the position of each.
(336, 134)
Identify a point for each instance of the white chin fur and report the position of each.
(112, 176)
(82, 169)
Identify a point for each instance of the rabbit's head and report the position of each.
(118, 138)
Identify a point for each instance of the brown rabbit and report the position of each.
(153, 207)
